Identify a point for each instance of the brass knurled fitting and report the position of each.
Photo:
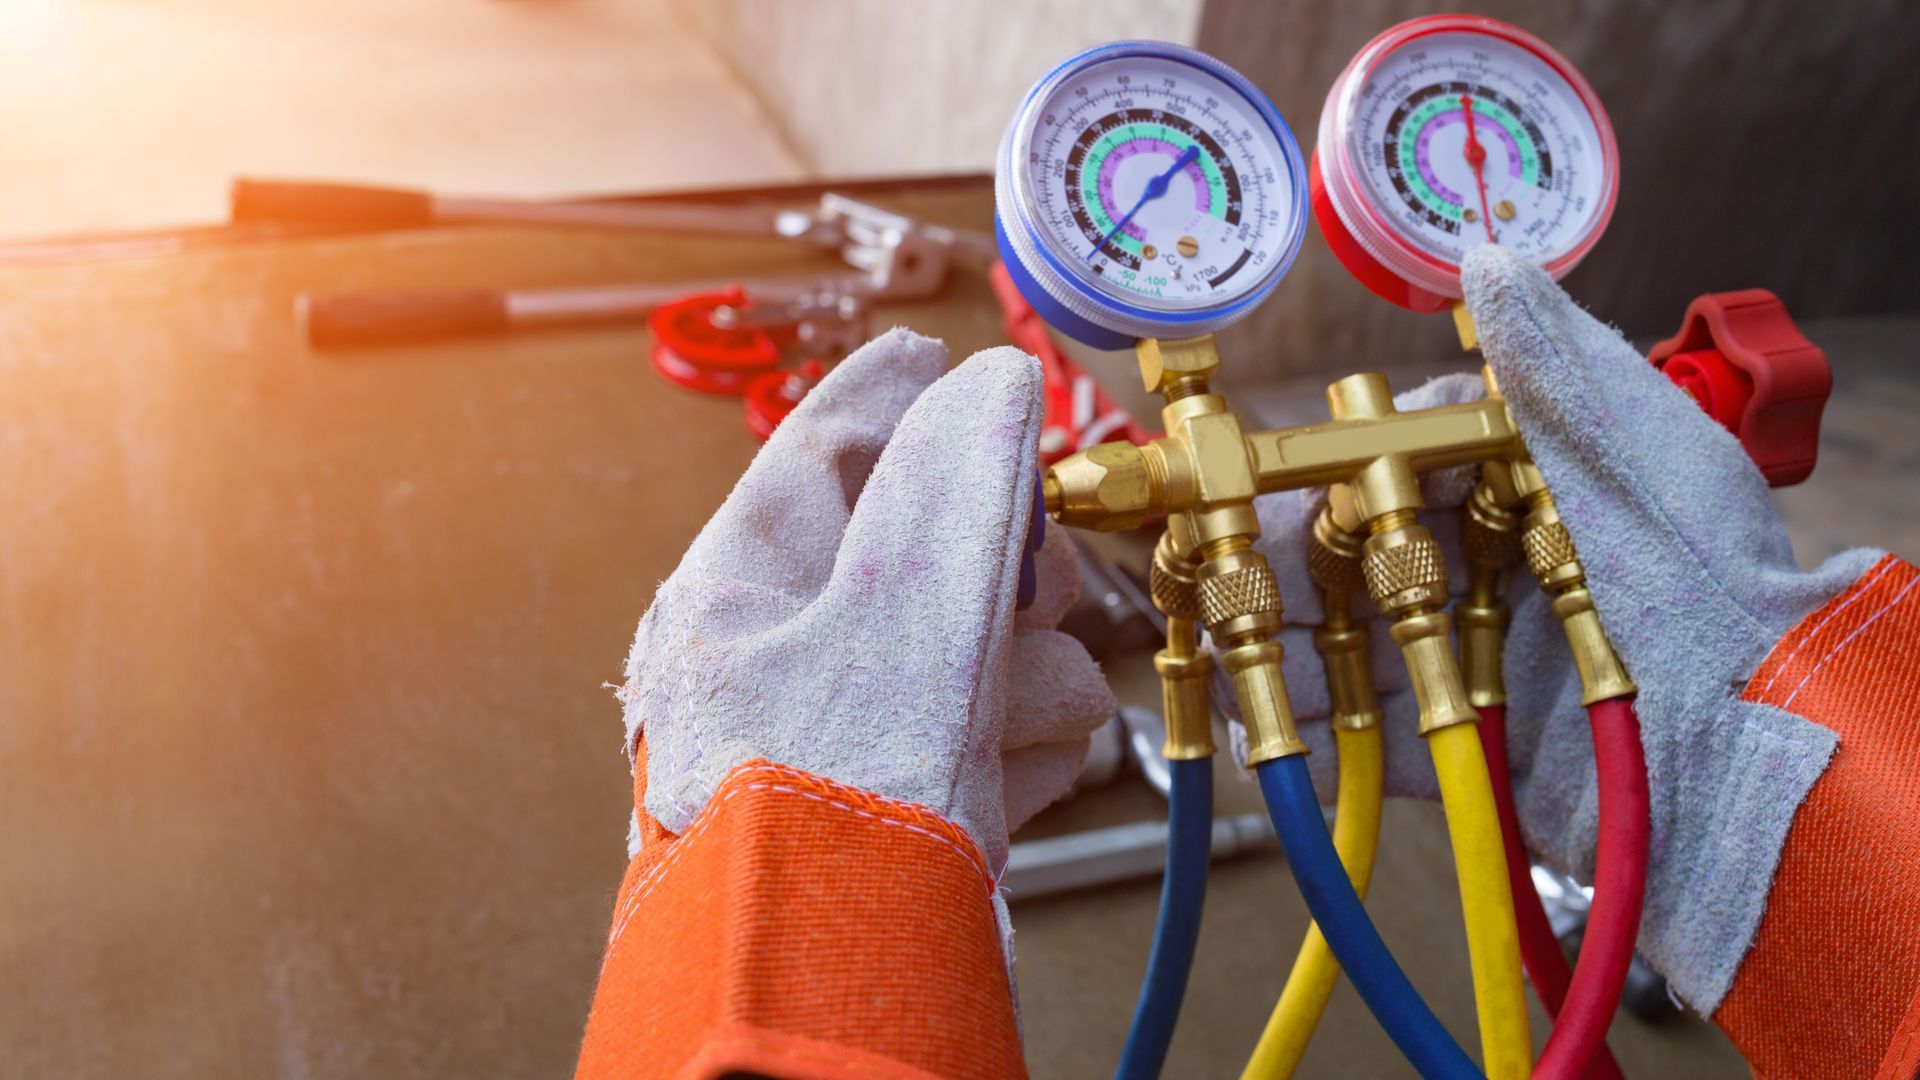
(1333, 561)
(1404, 569)
(1408, 579)
(1490, 537)
(1171, 581)
(1239, 595)
(1550, 553)
(1556, 564)
(1241, 600)
(1489, 533)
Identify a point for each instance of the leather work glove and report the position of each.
(1695, 581)
(850, 610)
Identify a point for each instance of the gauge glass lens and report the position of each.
(1461, 139)
(1158, 184)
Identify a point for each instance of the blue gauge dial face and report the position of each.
(1157, 183)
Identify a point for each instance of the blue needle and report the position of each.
(1156, 187)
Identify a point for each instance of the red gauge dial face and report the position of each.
(1455, 132)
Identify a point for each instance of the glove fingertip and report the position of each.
(1494, 277)
(874, 385)
(1531, 331)
(1510, 300)
(1004, 364)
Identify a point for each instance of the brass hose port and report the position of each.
(1184, 667)
(1172, 581)
(1408, 579)
(1333, 562)
(1240, 600)
(1239, 596)
(1556, 565)
(1490, 538)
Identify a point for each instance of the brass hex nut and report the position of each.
(1105, 487)
(1165, 361)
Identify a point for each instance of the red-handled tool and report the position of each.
(1742, 358)
(770, 397)
(691, 351)
(729, 343)
(1079, 413)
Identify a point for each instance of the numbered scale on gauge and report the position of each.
(1147, 190)
(1449, 132)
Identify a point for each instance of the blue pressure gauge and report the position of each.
(1147, 190)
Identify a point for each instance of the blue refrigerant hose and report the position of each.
(1349, 932)
(1183, 891)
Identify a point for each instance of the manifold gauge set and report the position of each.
(1146, 196)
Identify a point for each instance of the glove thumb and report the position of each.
(1663, 503)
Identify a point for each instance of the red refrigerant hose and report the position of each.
(1583, 1002)
(1539, 950)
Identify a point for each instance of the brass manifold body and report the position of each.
(1203, 476)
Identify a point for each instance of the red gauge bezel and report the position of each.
(1332, 143)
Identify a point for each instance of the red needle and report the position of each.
(1476, 157)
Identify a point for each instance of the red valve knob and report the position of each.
(690, 350)
(1742, 358)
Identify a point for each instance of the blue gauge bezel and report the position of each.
(1084, 312)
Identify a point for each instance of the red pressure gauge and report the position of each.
(1453, 131)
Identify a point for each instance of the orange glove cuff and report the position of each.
(803, 928)
(1832, 984)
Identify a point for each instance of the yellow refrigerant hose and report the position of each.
(1493, 942)
(1356, 833)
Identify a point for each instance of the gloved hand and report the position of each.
(850, 609)
(1695, 581)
